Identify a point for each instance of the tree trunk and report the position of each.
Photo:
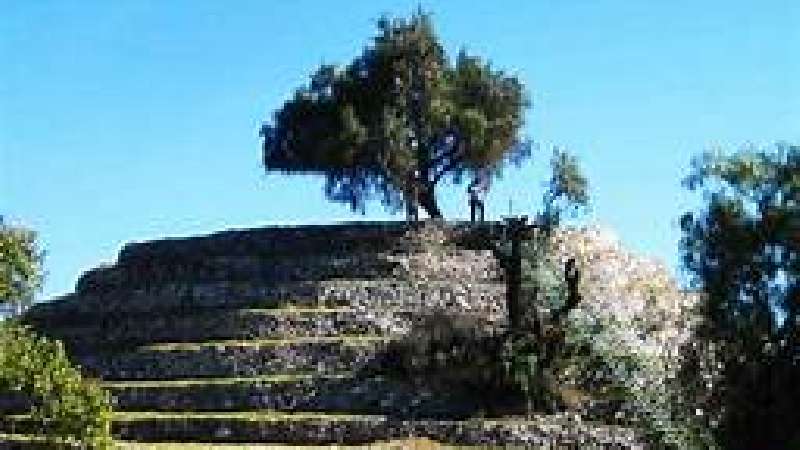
(427, 199)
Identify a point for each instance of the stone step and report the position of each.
(235, 358)
(440, 264)
(16, 441)
(134, 394)
(329, 428)
(139, 329)
(225, 381)
(341, 238)
(74, 311)
(344, 393)
(279, 254)
(486, 298)
(396, 444)
(265, 270)
(14, 402)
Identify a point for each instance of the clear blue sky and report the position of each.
(134, 120)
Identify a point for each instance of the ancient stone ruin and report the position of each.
(269, 335)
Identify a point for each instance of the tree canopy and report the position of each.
(567, 190)
(745, 247)
(63, 405)
(398, 119)
(744, 250)
(20, 264)
(614, 353)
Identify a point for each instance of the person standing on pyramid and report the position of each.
(477, 190)
(412, 210)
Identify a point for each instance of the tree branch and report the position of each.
(572, 276)
(444, 156)
(447, 168)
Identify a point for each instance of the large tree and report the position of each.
(744, 250)
(399, 119)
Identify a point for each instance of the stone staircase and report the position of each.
(265, 335)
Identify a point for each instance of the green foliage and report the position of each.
(528, 357)
(526, 367)
(65, 406)
(567, 190)
(399, 108)
(20, 264)
(458, 356)
(744, 252)
(614, 354)
(744, 248)
(640, 387)
(542, 274)
(439, 342)
(534, 354)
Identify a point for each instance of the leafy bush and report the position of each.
(456, 355)
(624, 343)
(64, 406)
(20, 264)
(438, 342)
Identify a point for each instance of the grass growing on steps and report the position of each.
(199, 382)
(328, 416)
(205, 317)
(31, 441)
(18, 440)
(356, 339)
(250, 416)
(51, 318)
(245, 416)
(292, 309)
(404, 444)
(273, 415)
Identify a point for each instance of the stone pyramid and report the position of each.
(263, 335)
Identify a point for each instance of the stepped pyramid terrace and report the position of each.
(295, 335)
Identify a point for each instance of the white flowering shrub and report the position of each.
(626, 339)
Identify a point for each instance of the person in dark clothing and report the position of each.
(412, 209)
(477, 192)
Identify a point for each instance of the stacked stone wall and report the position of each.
(185, 310)
(231, 360)
(137, 329)
(460, 296)
(551, 433)
(358, 249)
(446, 264)
(352, 395)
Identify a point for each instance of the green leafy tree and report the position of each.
(618, 350)
(399, 119)
(567, 192)
(744, 252)
(64, 406)
(604, 329)
(549, 284)
(20, 264)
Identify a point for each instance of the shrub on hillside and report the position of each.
(65, 406)
(456, 355)
(437, 342)
(627, 338)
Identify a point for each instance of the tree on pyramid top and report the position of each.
(399, 119)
